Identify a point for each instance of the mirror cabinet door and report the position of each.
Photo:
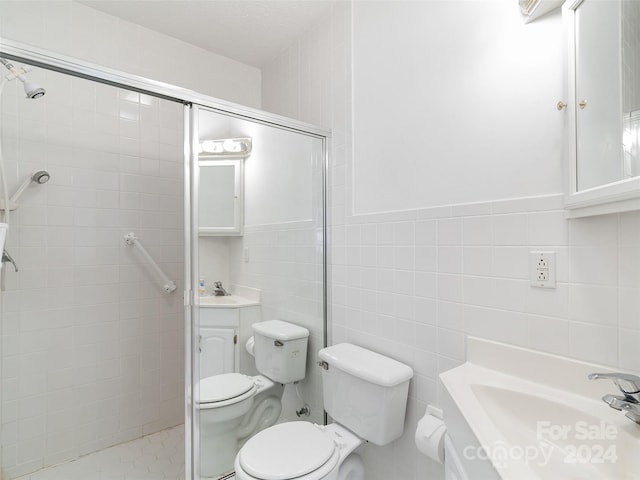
(220, 197)
(597, 94)
(603, 51)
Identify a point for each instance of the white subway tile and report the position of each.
(598, 264)
(548, 334)
(449, 259)
(477, 230)
(628, 344)
(629, 307)
(477, 261)
(593, 304)
(450, 231)
(547, 228)
(426, 258)
(595, 343)
(510, 229)
(425, 232)
(550, 302)
(450, 287)
(590, 231)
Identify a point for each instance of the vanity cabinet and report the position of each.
(225, 326)
(218, 351)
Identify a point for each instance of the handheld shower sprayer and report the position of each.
(32, 89)
(40, 177)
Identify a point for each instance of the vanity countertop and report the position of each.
(226, 301)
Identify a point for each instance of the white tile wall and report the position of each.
(92, 349)
(412, 284)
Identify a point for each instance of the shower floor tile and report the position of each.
(159, 456)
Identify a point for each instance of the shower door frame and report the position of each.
(49, 60)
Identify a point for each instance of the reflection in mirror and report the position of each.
(607, 91)
(631, 86)
(262, 315)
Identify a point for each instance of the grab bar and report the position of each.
(131, 239)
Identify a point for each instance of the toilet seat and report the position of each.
(289, 450)
(225, 389)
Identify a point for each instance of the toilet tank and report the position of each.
(280, 350)
(365, 392)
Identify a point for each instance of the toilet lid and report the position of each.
(284, 451)
(223, 387)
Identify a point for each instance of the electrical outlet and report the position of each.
(543, 269)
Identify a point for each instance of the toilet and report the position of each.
(366, 395)
(233, 406)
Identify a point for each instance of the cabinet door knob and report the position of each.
(560, 105)
(582, 104)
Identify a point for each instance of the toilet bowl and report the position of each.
(366, 395)
(233, 407)
(303, 451)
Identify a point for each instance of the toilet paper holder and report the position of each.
(430, 434)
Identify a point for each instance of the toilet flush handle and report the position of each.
(323, 364)
(278, 343)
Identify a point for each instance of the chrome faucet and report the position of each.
(219, 291)
(629, 385)
(8, 258)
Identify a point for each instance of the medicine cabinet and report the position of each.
(603, 106)
(221, 197)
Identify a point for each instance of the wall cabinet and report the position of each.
(220, 197)
(603, 106)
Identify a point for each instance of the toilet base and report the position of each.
(352, 468)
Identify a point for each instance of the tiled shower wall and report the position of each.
(413, 283)
(92, 348)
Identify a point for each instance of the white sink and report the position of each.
(226, 301)
(537, 416)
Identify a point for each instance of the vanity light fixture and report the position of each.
(532, 9)
(227, 147)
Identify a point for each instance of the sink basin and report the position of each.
(226, 301)
(570, 441)
(537, 416)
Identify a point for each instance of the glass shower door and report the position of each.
(272, 266)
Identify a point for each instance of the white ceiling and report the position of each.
(249, 31)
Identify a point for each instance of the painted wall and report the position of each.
(414, 282)
(92, 347)
(432, 82)
(73, 29)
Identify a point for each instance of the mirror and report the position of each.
(273, 271)
(604, 105)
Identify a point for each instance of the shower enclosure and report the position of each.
(95, 351)
(92, 347)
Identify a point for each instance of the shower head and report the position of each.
(40, 177)
(31, 88)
